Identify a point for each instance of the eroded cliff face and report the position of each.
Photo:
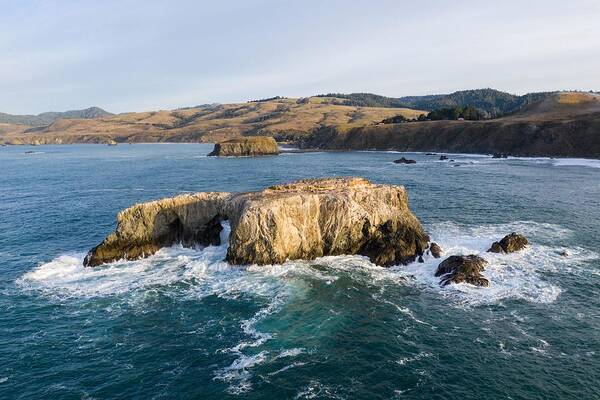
(145, 228)
(246, 146)
(302, 220)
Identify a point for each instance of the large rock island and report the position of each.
(246, 146)
(301, 220)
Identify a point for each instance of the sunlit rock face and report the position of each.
(246, 146)
(301, 220)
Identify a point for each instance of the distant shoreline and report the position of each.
(297, 150)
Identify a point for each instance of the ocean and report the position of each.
(184, 324)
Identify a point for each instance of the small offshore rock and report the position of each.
(443, 157)
(430, 154)
(435, 250)
(500, 155)
(564, 253)
(458, 269)
(509, 244)
(246, 146)
(404, 161)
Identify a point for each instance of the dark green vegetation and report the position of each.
(490, 102)
(49, 117)
(452, 114)
(469, 113)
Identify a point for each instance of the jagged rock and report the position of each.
(500, 155)
(435, 250)
(246, 146)
(301, 220)
(509, 244)
(443, 157)
(404, 161)
(457, 269)
(564, 253)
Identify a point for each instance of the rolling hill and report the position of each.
(49, 117)
(562, 124)
(285, 119)
(490, 101)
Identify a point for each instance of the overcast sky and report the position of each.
(132, 55)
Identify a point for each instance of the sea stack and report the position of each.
(246, 146)
(301, 220)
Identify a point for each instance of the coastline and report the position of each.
(300, 150)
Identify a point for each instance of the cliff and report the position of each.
(246, 146)
(562, 125)
(302, 220)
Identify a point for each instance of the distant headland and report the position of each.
(557, 124)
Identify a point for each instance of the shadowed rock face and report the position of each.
(246, 146)
(301, 220)
(457, 269)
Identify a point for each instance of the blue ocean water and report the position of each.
(184, 324)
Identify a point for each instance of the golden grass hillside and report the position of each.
(285, 119)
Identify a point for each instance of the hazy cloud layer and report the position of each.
(130, 55)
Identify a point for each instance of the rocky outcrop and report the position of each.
(302, 220)
(143, 229)
(509, 244)
(500, 155)
(404, 161)
(435, 250)
(458, 269)
(246, 146)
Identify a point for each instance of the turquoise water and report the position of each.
(184, 324)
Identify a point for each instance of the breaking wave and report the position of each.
(518, 275)
(202, 272)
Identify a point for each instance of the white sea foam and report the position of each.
(238, 375)
(580, 162)
(417, 357)
(202, 272)
(517, 275)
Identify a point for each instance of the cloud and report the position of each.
(136, 55)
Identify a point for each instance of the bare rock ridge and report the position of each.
(246, 146)
(301, 220)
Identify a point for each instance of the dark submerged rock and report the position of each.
(404, 161)
(509, 244)
(457, 269)
(443, 157)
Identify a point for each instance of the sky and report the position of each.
(134, 55)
